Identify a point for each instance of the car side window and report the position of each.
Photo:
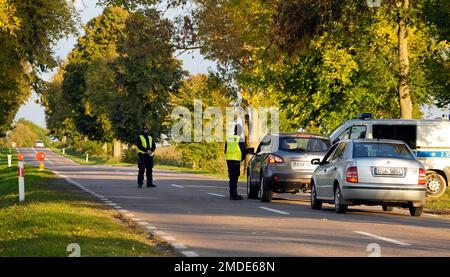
(358, 132)
(345, 134)
(264, 146)
(329, 154)
(339, 153)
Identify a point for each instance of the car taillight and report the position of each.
(422, 177)
(352, 174)
(272, 159)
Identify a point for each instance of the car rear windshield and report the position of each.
(385, 150)
(294, 144)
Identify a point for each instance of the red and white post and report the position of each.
(21, 175)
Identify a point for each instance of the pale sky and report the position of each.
(192, 62)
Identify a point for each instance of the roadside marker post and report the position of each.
(64, 151)
(21, 175)
(87, 157)
(9, 160)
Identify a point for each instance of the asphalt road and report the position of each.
(195, 215)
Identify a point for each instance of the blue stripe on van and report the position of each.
(432, 154)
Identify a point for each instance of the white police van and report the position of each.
(429, 140)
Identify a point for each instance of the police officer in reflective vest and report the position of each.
(235, 154)
(145, 147)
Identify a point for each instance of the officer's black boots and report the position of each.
(151, 186)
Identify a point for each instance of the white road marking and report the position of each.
(117, 207)
(216, 194)
(273, 210)
(189, 254)
(132, 174)
(130, 197)
(123, 211)
(383, 238)
(143, 223)
(177, 186)
(136, 219)
(168, 238)
(178, 246)
(150, 227)
(160, 233)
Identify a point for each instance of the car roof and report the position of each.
(300, 135)
(375, 140)
(398, 121)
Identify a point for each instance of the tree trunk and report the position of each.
(117, 149)
(406, 107)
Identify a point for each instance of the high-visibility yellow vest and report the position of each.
(144, 143)
(233, 150)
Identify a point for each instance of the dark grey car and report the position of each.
(282, 164)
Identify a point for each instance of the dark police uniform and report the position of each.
(145, 162)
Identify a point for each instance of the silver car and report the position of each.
(282, 164)
(369, 172)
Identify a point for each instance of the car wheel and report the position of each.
(387, 208)
(265, 194)
(315, 203)
(415, 211)
(252, 191)
(436, 184)
(339, 205)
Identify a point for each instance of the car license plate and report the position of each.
(389, 171)
(301, 165)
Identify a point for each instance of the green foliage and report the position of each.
(84, 86)
(146, 73)
(25, 133)
(205, 154)
(323, 63)
(28, 32)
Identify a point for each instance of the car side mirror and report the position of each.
(250, 151)
(315, 161)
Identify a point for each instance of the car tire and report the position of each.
(338, 202)
(315, 203)
(387, 208)
(415, 211)
(252, 191)
(436, 184)
(265, 194)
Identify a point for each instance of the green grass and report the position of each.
(93, 159)
(440, 204)
(55, 214)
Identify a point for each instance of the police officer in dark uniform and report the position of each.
(235, 154)
(146, 148)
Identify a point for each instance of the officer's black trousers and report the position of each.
(145, 164)
(234, 168)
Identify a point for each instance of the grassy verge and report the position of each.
(99, 160)
(441, 204)
(55, 214)
(93, 159)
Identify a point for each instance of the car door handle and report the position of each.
(334, 168)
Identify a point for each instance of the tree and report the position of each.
(146, 73)
(28, 32)
(84, 85)
(211, 92)
(327, 18)
(322, 62)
